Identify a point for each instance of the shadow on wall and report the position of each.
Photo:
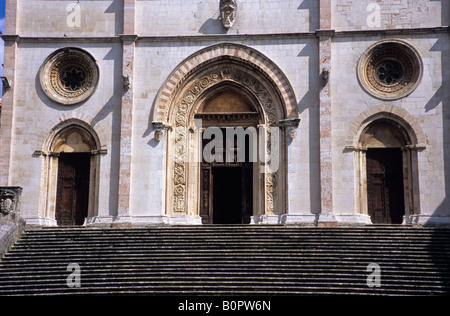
(116, 8)
(313, 8)
(439, 246)
(309, 103)
(213, 26)
(113, 107)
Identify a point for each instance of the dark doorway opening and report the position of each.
(72, 197)
(227, 195)
(385, 190)
(227, 186)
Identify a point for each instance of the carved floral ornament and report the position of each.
(390, 69)
(69, 76)
(181, 120)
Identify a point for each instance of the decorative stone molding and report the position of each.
(10, 200)
(233, 51)
(69, 76)
(291, 125)
(182, 123)
(390, 69)
(292, 133)
(183, 93)
(228, 12)
(384, 111)
(290, 122)
(126, 83)
(99, 130)
(161, 126)
(325, 75)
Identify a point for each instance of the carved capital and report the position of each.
(290, 122)
(161, 126)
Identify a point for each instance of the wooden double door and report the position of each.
(385, 190)
(227, 189)
(72, 197)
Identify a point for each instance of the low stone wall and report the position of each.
(11, 223)
(10, 231)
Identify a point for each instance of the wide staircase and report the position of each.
(229, 260)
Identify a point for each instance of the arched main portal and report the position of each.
(225, 86)
(230, 179)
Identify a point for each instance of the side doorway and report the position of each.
(72, 197)
(387, 168)
(70, 184)
(385, 189)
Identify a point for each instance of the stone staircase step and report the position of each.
(229, 260)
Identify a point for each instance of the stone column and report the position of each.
(9, 66)
(129, 40)
(324, 34)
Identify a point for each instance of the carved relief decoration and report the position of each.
(228, 12)
(390, 70)
(182, 123)
(69, 76)
(9, 199)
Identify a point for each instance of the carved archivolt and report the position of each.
(182, 94)
(182, 122)
(69, 76)
(273, 75)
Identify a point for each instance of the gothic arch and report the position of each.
(180, 98)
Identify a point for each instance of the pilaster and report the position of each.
(9, 66)
(324, 34)
(126, 126)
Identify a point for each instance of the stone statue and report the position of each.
(228, 12)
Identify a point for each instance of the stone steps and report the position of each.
(229, 260)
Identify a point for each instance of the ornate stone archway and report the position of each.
(387, 127)
(72, 136)
(182, 95)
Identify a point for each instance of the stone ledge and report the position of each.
(11, 227)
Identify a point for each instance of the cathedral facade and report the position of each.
(308, 112)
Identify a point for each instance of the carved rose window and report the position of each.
(69, 76)
(73, 79)
(390, 70)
